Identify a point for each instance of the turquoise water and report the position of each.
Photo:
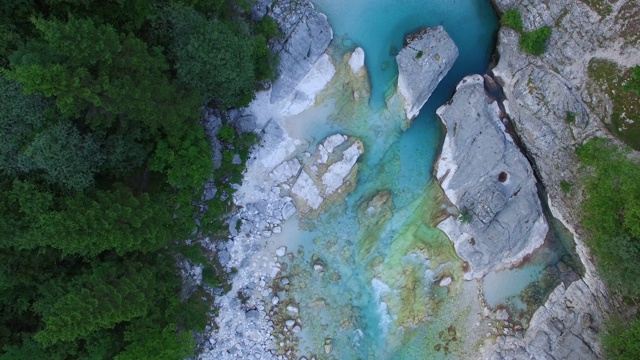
(375, 289)
(380, 26)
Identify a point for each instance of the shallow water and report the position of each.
(370, 283)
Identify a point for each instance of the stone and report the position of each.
(306, 36)
(334, 168)
(275, 300)
(502, 314)
(423, 62)
(490, 181)
(236, 159)
(445, 281)
(356, 60)
(285, 171)
(252, 315)
(281, 251)
(292, 309)
(305, 93)
(288, 209)
(328, 345)
(290, 323)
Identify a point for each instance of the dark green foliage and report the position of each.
(151, 342)
(90, 68)
(102, 165)
(226, 133)
(419, 54)
(571, 117)
(186, 159)
(66, 158)
(623, 342)
(214, 57)
(465, 215)
(512, 18)
(90, 224)
(534, 42)
(21, 116)
(107, 295)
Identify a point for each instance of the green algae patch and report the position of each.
(419, 256)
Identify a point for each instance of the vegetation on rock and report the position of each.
(512, 18)
(532, 42)
(102, 162)
(622, 87)
(611, 216)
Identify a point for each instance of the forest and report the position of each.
(103, 160)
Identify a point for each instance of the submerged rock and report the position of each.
(306, 36)
(423, 62)
(486, 176)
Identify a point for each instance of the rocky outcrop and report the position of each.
(423, 62)
(540, 93)
(304, 94)
(486, 176)
(327, 175)
(306, 35)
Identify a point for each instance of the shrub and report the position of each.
(512, 18)
(534, 42)
(465, 216)
(571, 117)
(226, 133)
(565, 186)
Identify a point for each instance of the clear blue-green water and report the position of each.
(377, 296)
(380, 26)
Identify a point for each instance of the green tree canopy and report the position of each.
(214, 57)
(92, 70)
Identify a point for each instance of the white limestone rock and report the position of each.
(486, 176)
(305, 93)
(423, 62)
(356, 61)
(334, 169)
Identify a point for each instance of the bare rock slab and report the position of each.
(423, 62)
(307, 34)
(329, 174)
(486, 176)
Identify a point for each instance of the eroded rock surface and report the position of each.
(423, 62)
(329, 174)
(541, 92)
(486, 176)
(306, 35)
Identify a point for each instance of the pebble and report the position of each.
(290, 323)
(281, 251)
